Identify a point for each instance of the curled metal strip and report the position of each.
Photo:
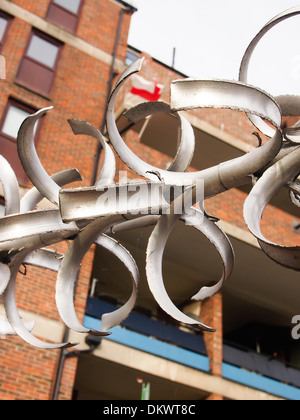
(145, 109)
(155, 250)
(289, 104)
(295, 198)
(4, 277)
(44, 258)
(294, 193)
(192, 93)
(10, 187)
(33, 196)
(12, 310)
(264, 190)
(48, 233)
(22, 235)
(123, 151)
(69, 269)
(221, 242)
(131, 160)
(294, 11)
(186, 148)
(108, 171)
(30, 160)
(115, 318)
(292, 134)
(243, 75)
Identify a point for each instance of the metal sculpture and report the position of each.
(26, 233)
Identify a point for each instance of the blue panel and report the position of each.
(262, 365)
(261, 383)
(144, 325)
(152, 346)
(194, 360)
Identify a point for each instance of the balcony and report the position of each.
(188, 348)
(152, 336)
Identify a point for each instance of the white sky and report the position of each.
(211, 37)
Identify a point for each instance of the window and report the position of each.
(39, 64)
(65, 13)
(131, 56)
(42, 51)
(5, 21)
(71, 6)
(14, 114)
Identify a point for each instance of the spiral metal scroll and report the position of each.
(26, 234)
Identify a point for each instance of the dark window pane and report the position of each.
(71, 5)
(3, 26)
(43, 51)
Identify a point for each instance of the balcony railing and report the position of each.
(168, 341)
(150, 327)
(261, 364)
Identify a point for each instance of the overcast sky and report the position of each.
(211, 37)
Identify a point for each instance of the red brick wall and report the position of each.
(79, 91)
(80, 85)
(25, 372)
(211, 314)
(38, 8)
(71, 96)
(97, 26)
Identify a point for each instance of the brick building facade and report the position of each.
(79, 90)
(88, 44)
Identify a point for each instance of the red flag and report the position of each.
(151, 91)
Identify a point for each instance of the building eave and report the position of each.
(126, 6)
